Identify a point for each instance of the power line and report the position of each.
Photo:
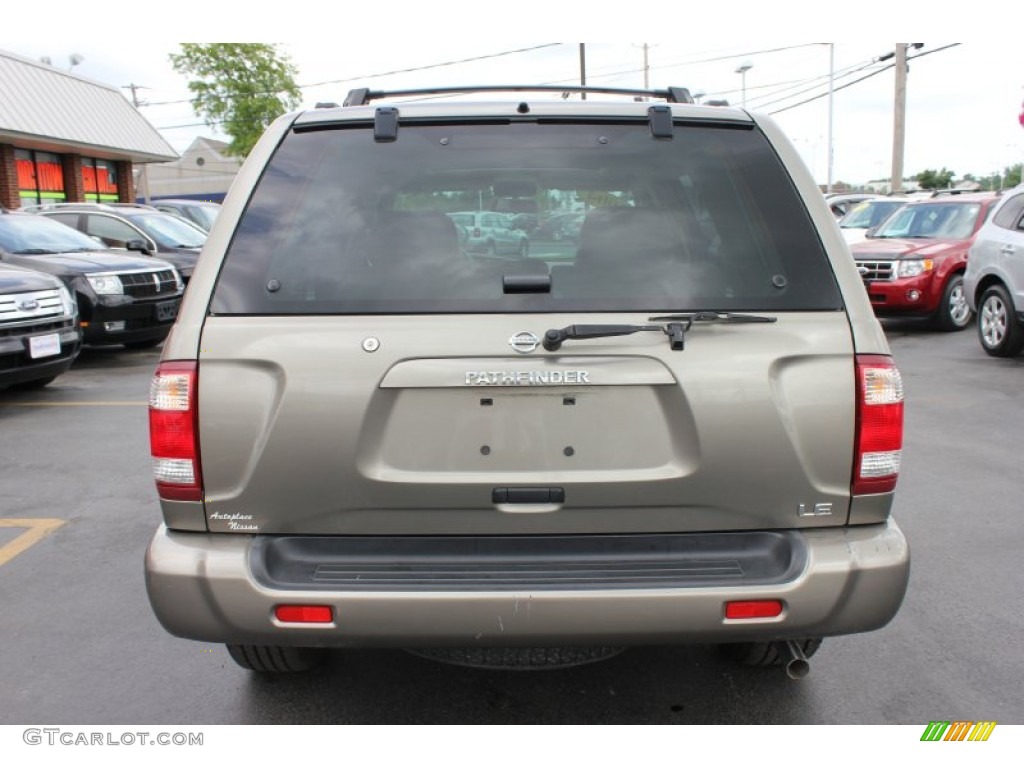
(407, 70)
(814, 83)
(866, 77)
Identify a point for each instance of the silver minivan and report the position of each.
(686, 427)
(994, 280)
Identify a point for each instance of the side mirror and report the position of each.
(871, 231)
(138, 245)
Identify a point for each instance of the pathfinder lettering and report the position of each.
(525, 378)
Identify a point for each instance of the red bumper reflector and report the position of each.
(304, 614)
(753, 609)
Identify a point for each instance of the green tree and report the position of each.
(242, 87)
(930, 179)
(1012, 175)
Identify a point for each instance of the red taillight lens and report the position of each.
(304, 614)
(173, 431)
(879, 425)
(753, 609)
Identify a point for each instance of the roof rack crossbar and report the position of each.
(358, 97)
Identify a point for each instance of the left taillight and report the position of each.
(174, 431)
(879, 425)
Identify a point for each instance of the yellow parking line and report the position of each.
(77, 402)
(38, 529)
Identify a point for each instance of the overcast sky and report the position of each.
(963, 99)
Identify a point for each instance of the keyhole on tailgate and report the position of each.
(568, 401)
(485, 450)
(569, 450)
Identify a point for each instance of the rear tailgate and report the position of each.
(370, 425)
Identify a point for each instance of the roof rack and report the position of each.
(956, 191)
(83, 204)
(358, 97)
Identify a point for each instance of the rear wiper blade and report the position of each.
(709, 316)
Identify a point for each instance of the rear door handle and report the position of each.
(542, 495)
(1006, 250)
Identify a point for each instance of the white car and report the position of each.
(867, 214)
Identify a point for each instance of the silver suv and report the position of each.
(684, 428)
(490, 233)
(994, 280)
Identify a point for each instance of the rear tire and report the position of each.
(999, 331)
(276, 659)
(765, 654)
(954, 313)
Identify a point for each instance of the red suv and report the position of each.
(913, 263)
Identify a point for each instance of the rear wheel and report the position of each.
(766, 654)
(276, 658)
(954, 312)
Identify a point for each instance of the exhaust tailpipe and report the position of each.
(793, 659)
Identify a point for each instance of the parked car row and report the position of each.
(913, 263)
(946, 258)
(62, 284)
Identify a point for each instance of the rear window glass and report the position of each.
(614, 219)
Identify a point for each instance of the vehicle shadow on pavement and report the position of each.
(678, 685)
(114, 357)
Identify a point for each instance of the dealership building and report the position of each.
(65, 138)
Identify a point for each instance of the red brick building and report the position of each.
(65, 138)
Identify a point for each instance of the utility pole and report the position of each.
(899, 125)
(647, 68)
(143, 192)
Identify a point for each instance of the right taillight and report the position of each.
(173, 431)
(879, 425)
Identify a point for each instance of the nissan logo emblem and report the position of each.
(524, 342)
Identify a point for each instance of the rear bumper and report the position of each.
(840, 581)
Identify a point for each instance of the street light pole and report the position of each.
(583, 70)
(742, 70)
(831, 93)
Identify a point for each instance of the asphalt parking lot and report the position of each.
(81, 645)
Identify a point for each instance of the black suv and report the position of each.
(122, 299)
(135, 227)
(39, 334)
